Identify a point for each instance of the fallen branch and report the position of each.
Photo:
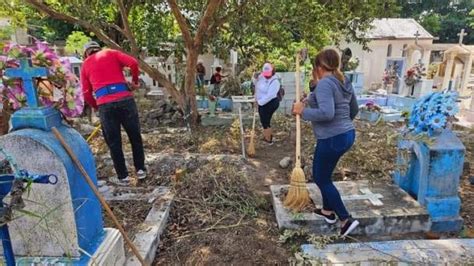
(214, 227)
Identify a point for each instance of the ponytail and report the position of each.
(338, 74)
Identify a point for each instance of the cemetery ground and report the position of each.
(222, 211)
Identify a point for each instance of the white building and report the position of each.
(389, 40)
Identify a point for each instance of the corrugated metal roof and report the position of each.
(73, 59)
(397, 28)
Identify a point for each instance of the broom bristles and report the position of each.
(251, 148)
(298, 195)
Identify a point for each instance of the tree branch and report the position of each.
(211, 9)
(126, 26)
(42, 7)
(183, 25)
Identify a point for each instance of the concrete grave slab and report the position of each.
(401, 252)
(382, 209)
(147, 238)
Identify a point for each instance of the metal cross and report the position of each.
(26, 72)
(461, 36)
(366, 195)
(417, 34)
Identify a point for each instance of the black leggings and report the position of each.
(266, 112)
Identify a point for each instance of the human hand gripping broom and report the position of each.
(298, 196)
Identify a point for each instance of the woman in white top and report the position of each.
(267, 87)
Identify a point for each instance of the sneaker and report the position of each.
(350, 225)
(141, 174)
(330, 219)
(121, 182)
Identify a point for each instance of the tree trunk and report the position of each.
(190, 84)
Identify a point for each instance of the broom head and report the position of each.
(298, 196)
(251, 148)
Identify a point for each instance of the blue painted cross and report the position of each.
(27, 73)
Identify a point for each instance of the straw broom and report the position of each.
(251, 148)
(298, 196)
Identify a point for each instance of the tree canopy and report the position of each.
(257, 29)
(442, 18)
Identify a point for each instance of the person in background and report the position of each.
(216, 80)
(200, 74)
(267, 86)
(105, 88)
(332, 107)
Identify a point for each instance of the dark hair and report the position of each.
(330, 61)
(218, 69)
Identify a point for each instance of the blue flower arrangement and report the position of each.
(432, 112)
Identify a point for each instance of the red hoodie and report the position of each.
(105, 68)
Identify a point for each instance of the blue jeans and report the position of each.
(112, 117)
(326, 155)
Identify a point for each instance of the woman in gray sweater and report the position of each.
(331, 109)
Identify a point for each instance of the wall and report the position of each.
(373, 62)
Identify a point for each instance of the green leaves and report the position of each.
(76, 41)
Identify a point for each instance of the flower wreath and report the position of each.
(61, 89)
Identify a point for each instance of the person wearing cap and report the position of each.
(105, 89)
(267, 86)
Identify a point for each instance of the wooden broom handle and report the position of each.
(254, 116)
(97, 193)
(298, 119)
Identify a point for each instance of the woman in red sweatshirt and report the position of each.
(105, 88)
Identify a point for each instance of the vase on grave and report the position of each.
(430, 161)
(64, 224)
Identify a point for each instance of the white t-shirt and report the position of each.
(266, 89)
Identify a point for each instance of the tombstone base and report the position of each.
(43, 118)
(389, 210)
(110, 252)
(444, 225)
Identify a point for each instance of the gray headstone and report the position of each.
(53, 233)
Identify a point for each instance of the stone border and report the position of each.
(399, 252)
(148, 237)
(372, 224)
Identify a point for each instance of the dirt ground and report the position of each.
(222, 212)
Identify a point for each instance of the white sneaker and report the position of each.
(141, 174)
(121, 182)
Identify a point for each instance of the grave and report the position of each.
(401, 252)
(432, 177)
(67, 225)
(147, 237)
(243, 103)
(381, 209)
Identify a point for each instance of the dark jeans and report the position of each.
(266, 112)
(112, 117)
(326, 155)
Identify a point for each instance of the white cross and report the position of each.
(417, 34)
(366, 195)
(461, 36)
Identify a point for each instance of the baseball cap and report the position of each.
(267, 70)
(91, 44)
